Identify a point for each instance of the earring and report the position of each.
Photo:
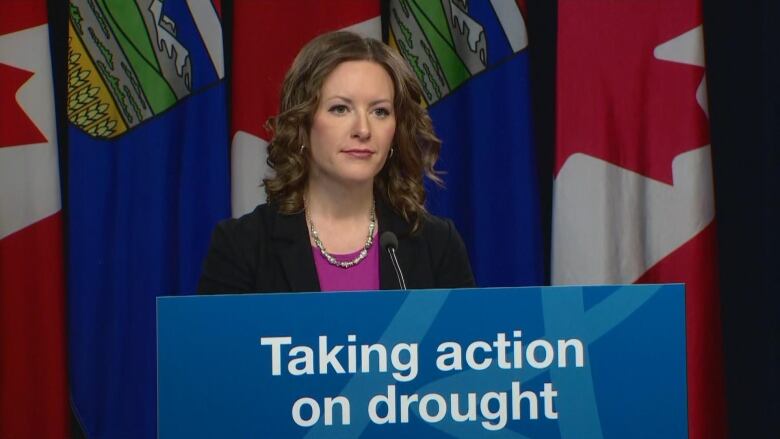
(302, 147)
(392, 151)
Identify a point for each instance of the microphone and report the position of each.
(389, 243)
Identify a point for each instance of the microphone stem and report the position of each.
(397, 268)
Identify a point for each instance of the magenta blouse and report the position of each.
(363, 276)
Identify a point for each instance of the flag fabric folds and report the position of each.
(472, 61)
(633, 190)
(147, 181)
(266, 37)
(33, 395)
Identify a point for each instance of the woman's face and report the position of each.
(353, 126)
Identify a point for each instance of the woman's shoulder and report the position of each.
(243, 236)
(438, 234)
(448, 252)
(262, 224)
(250, 223)
(436, 227)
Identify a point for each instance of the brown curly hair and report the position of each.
(400, 182)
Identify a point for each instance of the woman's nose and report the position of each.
(362, 129)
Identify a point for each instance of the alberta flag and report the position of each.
(472, 62)
(147, 177)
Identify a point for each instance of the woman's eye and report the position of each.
(382, 112)
(338, 109)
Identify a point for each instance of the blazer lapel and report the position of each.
(390, 221)
(292, 245)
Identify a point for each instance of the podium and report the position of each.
(539, 362)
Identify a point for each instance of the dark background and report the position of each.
(742, 44)
(743, 74)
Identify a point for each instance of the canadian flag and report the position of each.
(33, 400)
(633, 189)
(266, 37)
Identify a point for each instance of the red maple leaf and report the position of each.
(17, 128)
(22, 14)
(616, 101)
(264, 48)
(523, 5)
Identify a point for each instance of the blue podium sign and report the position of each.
(551, 362)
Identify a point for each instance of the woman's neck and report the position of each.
(333, 202)
(341, 215)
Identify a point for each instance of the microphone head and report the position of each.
(388, 240)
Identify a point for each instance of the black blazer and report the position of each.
(266, 251)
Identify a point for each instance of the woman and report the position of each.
(350, 148)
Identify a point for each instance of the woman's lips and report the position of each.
(359, 153)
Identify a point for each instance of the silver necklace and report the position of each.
(363, 253)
